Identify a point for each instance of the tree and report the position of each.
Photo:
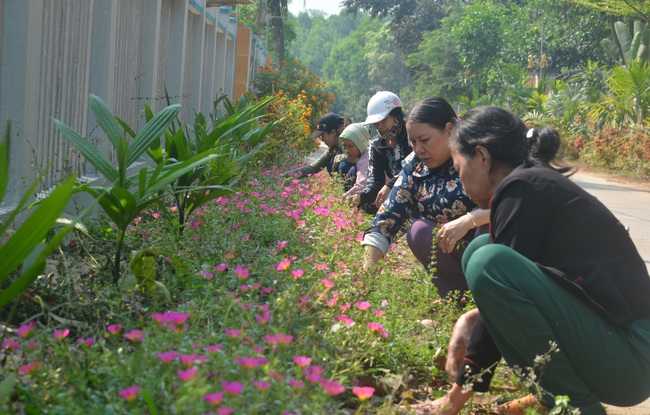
(632, 8)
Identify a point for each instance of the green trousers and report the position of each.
(524, 309)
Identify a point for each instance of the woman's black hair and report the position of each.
(397, 113)
(435, 111)
(506, 138)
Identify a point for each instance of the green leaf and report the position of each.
(33, 230)
(108, 123)
(92, 155)
(151, 132)
(7, 387)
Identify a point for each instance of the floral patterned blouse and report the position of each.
(437, 195)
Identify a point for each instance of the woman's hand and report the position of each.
(452, 232)
(382, 196)
(450, 404)
(460, 336)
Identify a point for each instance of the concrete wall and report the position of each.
(53, 54)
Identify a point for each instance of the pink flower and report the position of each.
(278, 338)
(296, 384)
(321, 267)
(363, 393)
(345, 306)
(167, 357)
(297, 273)
(134, 335)
(260, 384)
(362, 305)
(327, 283)
(378, 328)
(232, 333)
(224, 410)
(344, 319)
(250, 362)
(10, 345)
(61, 334)
(229, 255)
(301, 360)
(129, 394)
(264, 318)
(114, 328)
(188, 360)
(29, 368)
(281, 245)
(313, 373)
(333, 300)
(283, 265)
(241, 273)
(379, 312)
(214, 349)
(332, 387)
(86, 342)
(213, 398)
(221, 267)
(233, 388)
(26, 329)
(188, 374)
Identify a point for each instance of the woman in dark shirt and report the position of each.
(558, 268)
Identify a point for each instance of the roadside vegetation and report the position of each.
(205, 283)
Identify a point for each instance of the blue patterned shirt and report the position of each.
(437, 195)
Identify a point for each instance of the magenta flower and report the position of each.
(379, 312)
(29, 368)
(321, 267)
(301, 360)
(221, 267)
(362, 305)
(214, 349)
(241, 273)
(332, 301)
(188, 360)
(114, 328)
(297, 273)
(188, 374)
(87, 341)
(283, 265)
(344, 319)
(281, 245)
(232, 333)
(263, 318)
(233, 388)
(363, 393)
(327, 283)
(345, 306)
(10, 345)
(26, 329)
(129, 394)
(213, 398)
(378, 328)
(134, 335)
(251, 362)
(313, 373)
(167, 357)
(296, 384)
(332, 387)
(278, 338)
(224, 410)
(260, 384)
(61, 334)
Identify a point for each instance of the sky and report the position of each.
(328, 6)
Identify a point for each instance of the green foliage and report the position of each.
(119, 202)
(28, 246)
(628, 46)
(633, 8)
(232, 135)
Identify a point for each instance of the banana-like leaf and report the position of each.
(90, 153)
(624, 39)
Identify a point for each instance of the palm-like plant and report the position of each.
(628, 46)
(125, 197)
